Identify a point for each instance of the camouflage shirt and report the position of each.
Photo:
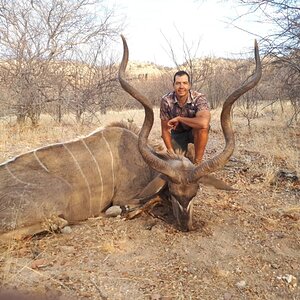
(170, 108)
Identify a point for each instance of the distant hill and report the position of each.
(143, 70)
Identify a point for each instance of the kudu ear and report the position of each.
(211, 180)
(152, 188)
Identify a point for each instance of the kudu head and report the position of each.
(181, 175)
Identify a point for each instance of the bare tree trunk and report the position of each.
(45, 35)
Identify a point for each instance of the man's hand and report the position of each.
(173, 123)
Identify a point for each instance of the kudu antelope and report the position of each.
(69, 182)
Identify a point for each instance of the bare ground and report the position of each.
(246, 245)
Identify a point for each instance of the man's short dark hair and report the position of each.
(181, 73)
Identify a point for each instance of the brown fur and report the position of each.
(158, 147)
(73, 180)
(126, 125)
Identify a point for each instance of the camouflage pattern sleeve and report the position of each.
(201, 103)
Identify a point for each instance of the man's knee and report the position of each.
(201, 131)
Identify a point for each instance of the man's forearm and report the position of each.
(195, 122)
(200, 121)
(166, 136)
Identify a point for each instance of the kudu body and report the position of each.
(69, 182)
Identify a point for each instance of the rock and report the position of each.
(68, 249)
(156, 297)
(233, 159)
(285, 175)
(288, 175)
(247, 159)
(149, 225)
(275, 266)
(227, 296)
(241, 284)
(113, 211)
(39, 263)
(290, 279)
(66, 230)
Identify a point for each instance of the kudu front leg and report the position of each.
(145, 208)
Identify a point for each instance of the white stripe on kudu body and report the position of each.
(15, 177)
(38, 160)
(99, 172)
(82, 174)
(112, 165)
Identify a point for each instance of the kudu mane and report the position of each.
(157, 147)
(125, 125)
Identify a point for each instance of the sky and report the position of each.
(151, 24)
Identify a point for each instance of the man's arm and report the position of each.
(200, 121)
(166, 135)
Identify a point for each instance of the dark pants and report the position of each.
(180, 140)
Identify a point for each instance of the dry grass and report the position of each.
(274, 145)
(19, 139)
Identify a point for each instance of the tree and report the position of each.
(283, 43)
(35, 35)
(198, 69)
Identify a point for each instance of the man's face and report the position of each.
(182, 86)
